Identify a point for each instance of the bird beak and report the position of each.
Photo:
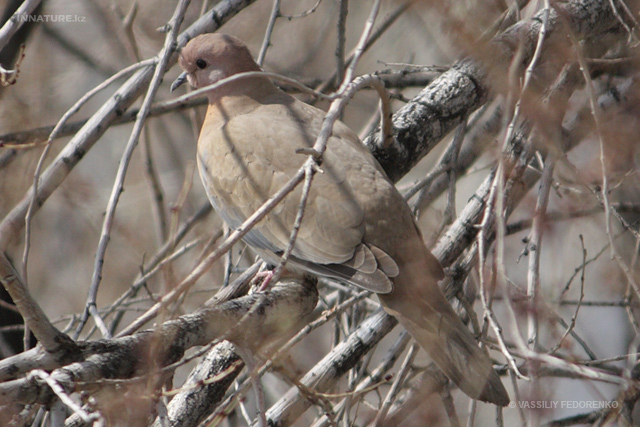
(179, 81)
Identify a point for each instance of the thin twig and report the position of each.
(206, 263)
(34, 317)
(628, 29)
(36, 136)
(53, 135)
(450, 209)
(535, 245)
(163, 61)
(310, 169)
(604, 189)
(266, 42)
(574, 318)
(361, 46)
(155, 188)
(70, 156)
(387, 21)
(489, 315)
(304, 13)
(154, 264)
(63, 396)
(397, 383)
(14, 23)
(341, 40)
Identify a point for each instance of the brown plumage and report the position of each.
(357, 227)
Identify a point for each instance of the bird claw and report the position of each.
(266, 276)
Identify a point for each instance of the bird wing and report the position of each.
(248, 157)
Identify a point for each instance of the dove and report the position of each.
(357, 228)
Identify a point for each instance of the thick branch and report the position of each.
(252, 322)
(444, 104)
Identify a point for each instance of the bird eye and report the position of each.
(201, 63)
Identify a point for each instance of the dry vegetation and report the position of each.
(515, 125)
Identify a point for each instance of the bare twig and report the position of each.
(163, 61)
(341, 40)
(14, 23)
(155, 188)
(50, 338)
(574, 318)
(62, 395)
(93, 129)
(54, 134)
(361, 45)
(266, 42)
(535, 245)
(304, 13)
(604, 188)
(397, 383)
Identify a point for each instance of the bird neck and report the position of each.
(242, 96)
(248, 87)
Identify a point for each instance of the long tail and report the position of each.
(420, 306)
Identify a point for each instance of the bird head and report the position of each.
(209, 58)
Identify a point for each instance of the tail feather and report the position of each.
(425, 312)
(455, 351)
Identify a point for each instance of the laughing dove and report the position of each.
(357, 228)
